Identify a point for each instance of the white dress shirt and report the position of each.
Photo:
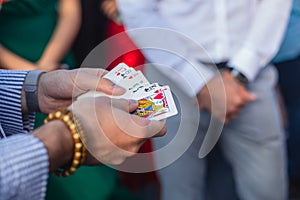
(246, 33)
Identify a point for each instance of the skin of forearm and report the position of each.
(9, 60)
(58, 141)
(65, 32)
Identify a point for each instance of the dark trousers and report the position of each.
(289, 82)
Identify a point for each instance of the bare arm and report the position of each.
(9, 60)
(65, 32)
(60, 42)
(58, 142)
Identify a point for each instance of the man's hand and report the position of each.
(57, 88)
(224, 97)
(112, 133)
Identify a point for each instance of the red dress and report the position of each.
(133, 58)
(133, 181)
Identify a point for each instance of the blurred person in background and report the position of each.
(241, 38)
(38, 34)
(115, 26)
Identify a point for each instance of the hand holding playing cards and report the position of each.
(112, 134)
(57, 88)
(227, 104)
(155, 101)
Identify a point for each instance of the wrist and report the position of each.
(58, 142)
(238, 76)
(75, 130)
(30, 102)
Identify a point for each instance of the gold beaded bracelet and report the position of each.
(78, 137)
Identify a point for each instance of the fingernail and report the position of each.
(253, 95)
(118, 88)
(133, 102)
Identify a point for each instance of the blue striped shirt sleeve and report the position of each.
(11, 119)
(23, 168)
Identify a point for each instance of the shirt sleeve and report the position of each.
(171, 51)
(23, 168)
(264, 38)
(11, 83)
(290, 47)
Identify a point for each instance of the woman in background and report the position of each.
(38, 34)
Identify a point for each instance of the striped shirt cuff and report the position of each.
(24, 168)
(11, 83)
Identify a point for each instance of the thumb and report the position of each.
(126, 105)
(248, 96)
(87, 79)
(109, 87)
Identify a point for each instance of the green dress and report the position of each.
(26, 26)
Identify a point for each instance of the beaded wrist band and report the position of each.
(78, 137)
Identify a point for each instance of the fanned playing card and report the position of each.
(155, 102)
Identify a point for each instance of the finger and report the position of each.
(100, 72)
(124, 104)
(109, 87)
(221, 117)
(232, 116)
(133, 105)
(107, 8)
(136, 127)
(163, 129)
(251, 96)
(104, 5)
(112, 14)
(111, 10)
(94, 81)
(234, 109)
(248, 96)
(85, 79)
(147, 128)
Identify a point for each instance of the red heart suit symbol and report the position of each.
(159, 96)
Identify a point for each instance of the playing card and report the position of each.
(118, 73)
(138, 79)
(155, 101)
(157, 105)
(134, 80)
(142, 91)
